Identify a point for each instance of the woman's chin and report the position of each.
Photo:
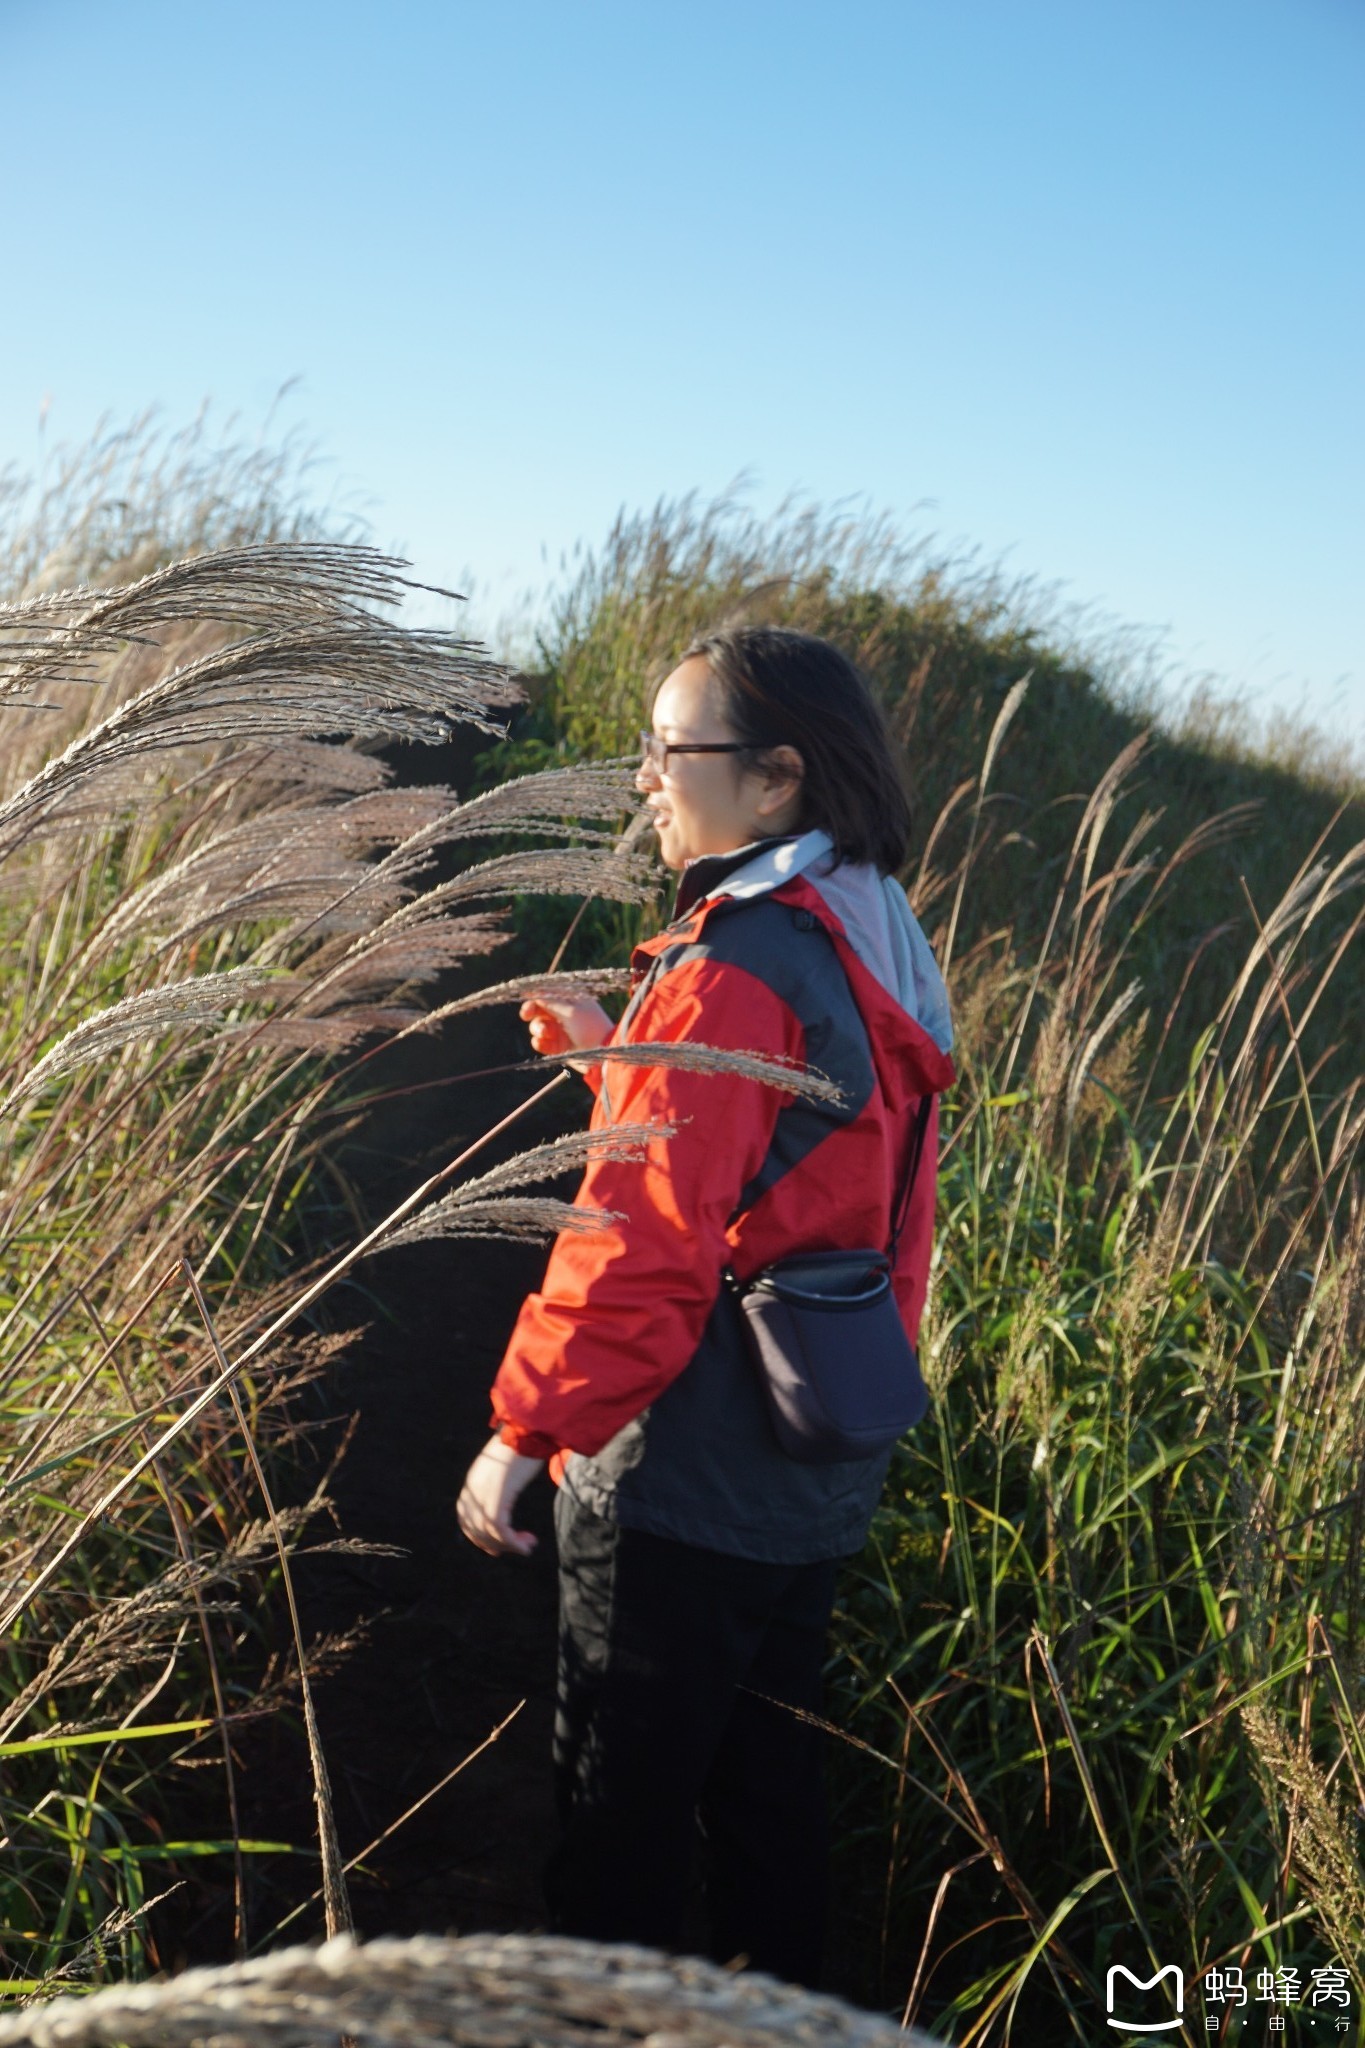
(669, 852)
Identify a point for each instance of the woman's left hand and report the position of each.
(492, 1486)
(557, 1024)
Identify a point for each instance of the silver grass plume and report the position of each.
(1089, 1050)
(253, 856)
(1325, 1850)
(357, 678)
(519, 1216)
(270, 587)
(597, 789)
(305, 861)
(316, 766)
(326, 896)
(708, 1059)
(563, 986)
(575, 871)
(539, 803)
(545, 800)
(339, 1029)
(482, 1196)
(417, 822)
(181, 1006)
(560, 1155)
(421, 931)
(134, 1627)
(392, 956)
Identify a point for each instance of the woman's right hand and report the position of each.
(492, 1487)
(566, 1023)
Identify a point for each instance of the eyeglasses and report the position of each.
(655, 751)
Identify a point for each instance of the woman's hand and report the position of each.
(492, 1486)
(561, 1023)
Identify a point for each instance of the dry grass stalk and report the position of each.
(692, 1057)
(1323, 1831)
(534, 1217)
(203, 844)
(185, 1547)
(267, 588)
(359, 681)
(477, 1207)
(565, 985)
(151, 1015)
(576, 872)
(336, 1903)
(362, 1856)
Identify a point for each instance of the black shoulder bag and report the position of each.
(839, 1374)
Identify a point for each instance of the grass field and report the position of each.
(1100, 1668)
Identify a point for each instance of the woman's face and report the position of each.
(707, 803)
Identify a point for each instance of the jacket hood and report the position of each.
(871, 908)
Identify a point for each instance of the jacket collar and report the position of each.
(907, 1058)
(766, 863)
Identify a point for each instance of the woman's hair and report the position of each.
(779, 688)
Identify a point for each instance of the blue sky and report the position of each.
(1079, 283)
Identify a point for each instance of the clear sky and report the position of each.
(1078, 282)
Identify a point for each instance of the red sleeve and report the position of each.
(621, 1310)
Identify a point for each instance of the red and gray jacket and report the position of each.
(627, 1368)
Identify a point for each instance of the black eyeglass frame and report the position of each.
(656, 751)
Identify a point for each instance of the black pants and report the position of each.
(670, 1659)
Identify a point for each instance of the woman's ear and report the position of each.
(784, 771)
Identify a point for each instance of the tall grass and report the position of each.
(215, 902)
(139, 495)
(1107, 1633)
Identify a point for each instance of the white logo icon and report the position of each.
(1171, 1970)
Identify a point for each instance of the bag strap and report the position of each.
(926, 1103)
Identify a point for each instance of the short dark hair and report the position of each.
(780, 688)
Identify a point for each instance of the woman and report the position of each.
(697, 1561)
